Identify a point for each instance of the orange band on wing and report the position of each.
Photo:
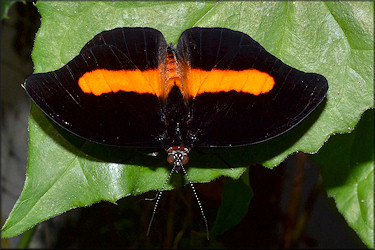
(101, 81)
(248, 81)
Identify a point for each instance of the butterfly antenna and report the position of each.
(158, 198)
(199, 202)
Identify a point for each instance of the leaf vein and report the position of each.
(212, 8)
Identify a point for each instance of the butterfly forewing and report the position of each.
(240, 93)
(109, 93)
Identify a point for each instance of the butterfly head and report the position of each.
(177, 156)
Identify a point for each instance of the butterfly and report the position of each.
(217, 88)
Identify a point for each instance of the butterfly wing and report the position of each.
(109, 93)
(239, 93)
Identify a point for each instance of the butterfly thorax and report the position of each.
(172, 74)
(175, 108)
(173, 77)
(176, 115)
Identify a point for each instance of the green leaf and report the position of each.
(347, 167)
(234, 205)
(5, 5)
(65, 172)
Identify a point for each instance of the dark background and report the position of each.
(289, 194)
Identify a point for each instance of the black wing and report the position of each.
(121, 117)
(236, 117)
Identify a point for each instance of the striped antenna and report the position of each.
(199, 202)
(158, 199)
(176, 156)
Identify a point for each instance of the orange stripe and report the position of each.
(102, 81)
(249, 81)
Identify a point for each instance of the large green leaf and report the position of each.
(4, 7)
(347, 167)
(333, 39)
(234, 205)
